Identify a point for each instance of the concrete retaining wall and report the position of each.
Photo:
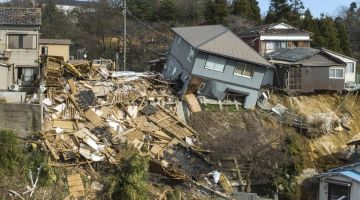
(22, 117)
(13, 97)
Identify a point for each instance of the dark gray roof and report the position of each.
(20, 16)
(219, 40)
(292, 55)
(55, 41)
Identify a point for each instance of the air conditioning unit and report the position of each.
(14, 87)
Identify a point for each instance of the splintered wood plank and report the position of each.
(170, 124)
(193, 103)
(76, 187)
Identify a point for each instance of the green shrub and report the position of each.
(132, 175)
(11, 155)
(38, 159)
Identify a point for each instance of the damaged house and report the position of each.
(306, 70)
(212, 61)
(267, 38)
(350, 70)
(19, 33)
(340, 183)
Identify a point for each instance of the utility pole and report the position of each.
(124, 39)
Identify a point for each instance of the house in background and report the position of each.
(267, 38)
(19, 33)
(340, 183)
(212, 61)
(68, 5)
(306, 70)
(55, 47)
(350, 71)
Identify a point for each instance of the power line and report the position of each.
(150, 49)
(149, 27)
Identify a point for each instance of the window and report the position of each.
(271, 46)
(22, 41)
(191, 55)
(336, 73)
(350, 68)
(215, 63)
(243, 69)
(178, 41)
(27, 75)
(337, 192)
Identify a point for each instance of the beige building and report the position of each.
(19, 33)
(55, 47)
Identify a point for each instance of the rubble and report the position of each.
(91, 117)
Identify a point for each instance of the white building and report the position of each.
(267, 38)
(350, 71)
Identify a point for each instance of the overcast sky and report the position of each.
(329, 7)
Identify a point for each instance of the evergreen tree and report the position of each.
(143, 9)
(248, 9)
(216, 11)
(167, 10)
(284, 11)
(327, 35)
(54, 22)
(353, 7)
(297, 6)
(343, 36)
(308, 23)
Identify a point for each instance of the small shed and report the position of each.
(340, 183)
(306, 70)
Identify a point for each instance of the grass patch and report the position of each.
(18, 159)
(11, 156)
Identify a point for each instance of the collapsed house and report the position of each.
(92, 116)
(306, 70)
(340, 183)
(270, 37)
(212, 61)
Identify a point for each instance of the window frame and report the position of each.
(191, 55)
(217, 58)
(246, 65)
(336, 77)
(352, 71)
(21, 41)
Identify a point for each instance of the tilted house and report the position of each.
(267, 38)
(19, 33)
(340, 183)
(212, 61)
(306, 70)
(350, 70)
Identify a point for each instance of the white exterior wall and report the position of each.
(349, 77)
(285, 37)
(323, 187)
(25, 57)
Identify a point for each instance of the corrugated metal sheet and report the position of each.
(219, 40)
(351, 174)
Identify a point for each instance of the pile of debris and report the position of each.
(93, 116)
